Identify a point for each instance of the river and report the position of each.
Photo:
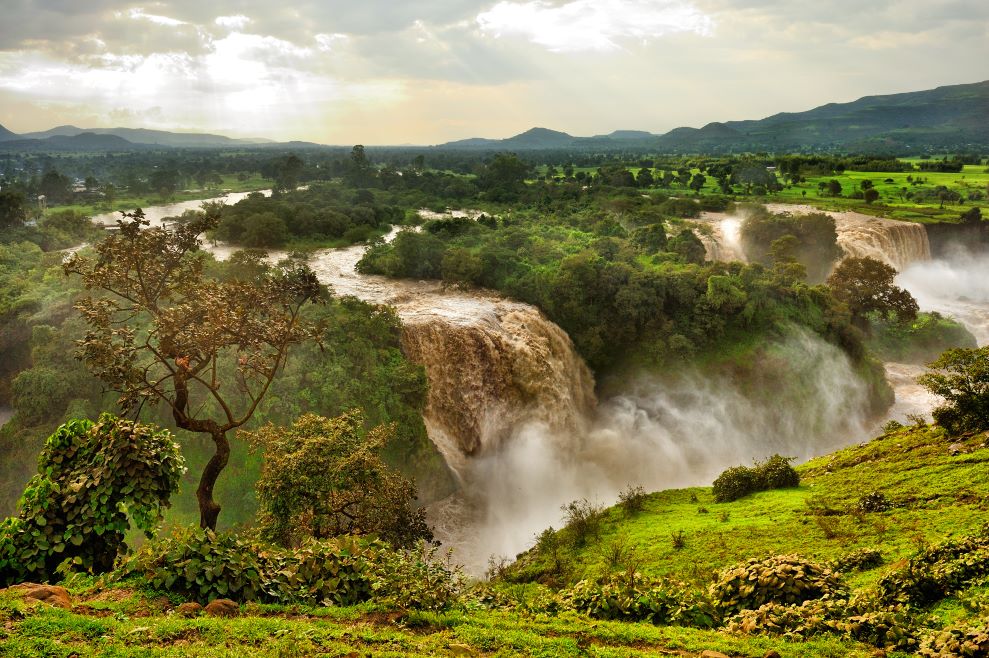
(155, 214)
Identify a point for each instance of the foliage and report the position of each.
(629, 597)
(93, 480)
(964, 642)
(583, 521)
(323, 478)
(862, 559)
(740, 481)
(415, 578)
(961, 377)
(814, 239)
(939, 571)
(875, 501)
(632, 499)
(919, 341)
(162, 331)
(865, 285)
(785, 579)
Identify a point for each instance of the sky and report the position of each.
(430, 71)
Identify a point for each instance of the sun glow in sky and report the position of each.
(382, 72)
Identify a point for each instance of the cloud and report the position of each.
(595, 25)
(235, 22)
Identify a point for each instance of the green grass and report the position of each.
(128, 623)
(936, 496)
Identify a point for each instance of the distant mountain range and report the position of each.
(953, 117)
(72, 138)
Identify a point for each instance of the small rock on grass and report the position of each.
(708, 653)
(53, 595)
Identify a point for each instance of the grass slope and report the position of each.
(936, 494)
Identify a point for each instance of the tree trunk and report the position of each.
(209, 509)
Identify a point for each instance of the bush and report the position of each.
(972, 642)
(632, 499)
(583, 521)
(874, 502)
(201, 565)
(93, 480)
(734, 483)
(740, 481)
(777, 473)
(938, 572)
(786, 579)
(634, 599)
(861, 560)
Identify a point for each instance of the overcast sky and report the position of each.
(428, 71)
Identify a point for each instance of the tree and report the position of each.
(323, 478)
(164, 181)
(697, 182)
(645, 178)
(286, 172)
(12, 210)
(834, 187)
(865, 285)
(503, 178)
(90, 183)
(688, 246)
(870, 195)
(971, 216)
(961, 377)
(56, 187)
(161, 331)
(93, 480)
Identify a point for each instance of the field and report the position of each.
(890, 185)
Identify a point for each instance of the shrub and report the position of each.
(583, 521)
(632, 499)
(861, 560)
(93, 480)
(734, 483)
(416, 579)
(874, 502)
(939, 571)
(634, 599)
(777, 473)
(679, 540)
(787, 579)
(969, 642)
(740, 481)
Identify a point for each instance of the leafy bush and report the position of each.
(634, 599)
(583, 521)
(93, 480)
(786, 579)
(894, 628)
(861, 560)
(734, 483)
(777, 473)
(961, 377)
(939, 571)
(632, 499)
(202, 565)
(874, 502)
(970, 642)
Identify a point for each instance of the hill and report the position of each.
(951, 117)
(151, 137)
(931, 488)
(80, 142)
(6, 134)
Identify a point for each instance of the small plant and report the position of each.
(703, 510)
(874, 502)
(632, 499)
(583, 521)
(892, 426)
(725, 516)
(679, 540)
(784, 579)
(693, 498)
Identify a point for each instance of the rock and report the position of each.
(53, 595)
(461, 650)
(956, 449)
(707, 653)
(189, 609)
(222, 608)
(772, 654)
